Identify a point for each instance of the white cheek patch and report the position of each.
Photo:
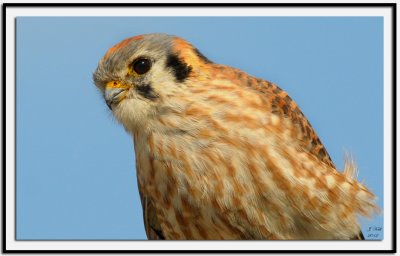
(132, 113)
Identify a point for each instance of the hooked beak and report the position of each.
(114, 93)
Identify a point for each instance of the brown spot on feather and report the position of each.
(202, 232)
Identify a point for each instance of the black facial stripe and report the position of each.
(147, 91)
(181, 69)
(201, 56)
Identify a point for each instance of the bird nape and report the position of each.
(221, 154)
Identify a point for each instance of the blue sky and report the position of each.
(75, 167)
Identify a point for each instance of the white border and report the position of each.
(12, 244)
(197, 11)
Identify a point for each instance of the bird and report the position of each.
(221, 154)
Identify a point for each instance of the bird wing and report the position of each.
(306, 142)
(151, 223)
(283, 105)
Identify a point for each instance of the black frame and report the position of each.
(393, 8)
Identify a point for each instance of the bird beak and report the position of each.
(115, 92)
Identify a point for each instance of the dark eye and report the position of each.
(141, 65)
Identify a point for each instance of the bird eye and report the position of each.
(141, 65)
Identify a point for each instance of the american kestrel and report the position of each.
(221, 154)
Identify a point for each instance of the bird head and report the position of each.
(140, 76)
